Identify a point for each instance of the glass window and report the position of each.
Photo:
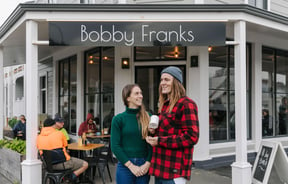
(160, 53)
(99, 85)
(222, 93)
(67, 92)
(19, 88)
(43, 94)
(274, 92)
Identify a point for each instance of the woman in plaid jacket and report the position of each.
(178, 131)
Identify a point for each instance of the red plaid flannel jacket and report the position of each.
(177, 133)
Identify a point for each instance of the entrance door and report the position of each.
(148, 78)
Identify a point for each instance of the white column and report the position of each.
(200, 95)
(2, 122)
(257, 94)
(122, 76)
(241, 169)
(80, 115)
(31, 167)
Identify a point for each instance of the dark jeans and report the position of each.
(180, 180)
(125, 176)
(164, 181)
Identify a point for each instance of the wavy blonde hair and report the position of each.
(177, 91)
(142, 116)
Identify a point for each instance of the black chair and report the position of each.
(51, 175)
(99, 161)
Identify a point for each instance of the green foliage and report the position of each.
(17, 145)
(12, 122)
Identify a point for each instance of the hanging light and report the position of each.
(176, 52)
(91, 60)
(210, 49)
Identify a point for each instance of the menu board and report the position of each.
(263, 160)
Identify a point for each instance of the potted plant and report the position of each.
(12, 154)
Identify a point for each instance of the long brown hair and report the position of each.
(142, 115)
(177, 91)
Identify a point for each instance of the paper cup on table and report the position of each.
(154, 122)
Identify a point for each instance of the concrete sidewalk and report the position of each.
(221, 175)
(199, 176)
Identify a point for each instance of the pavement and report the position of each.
(220, 175)
(199, 176)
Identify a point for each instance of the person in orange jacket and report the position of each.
(51, 139)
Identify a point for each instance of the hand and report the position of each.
(135, 170)
(153, 141)
(151, 130)
(145, 167)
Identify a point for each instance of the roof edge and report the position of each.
(22, 8)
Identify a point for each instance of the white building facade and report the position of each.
(232, 83)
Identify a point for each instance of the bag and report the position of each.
(57, 156)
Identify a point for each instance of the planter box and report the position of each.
(10, 165)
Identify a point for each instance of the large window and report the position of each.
(222, 93)
(274, 92)
(160, 53)
(67, 92)
(43, 94)
(19, 88)
(99, 84)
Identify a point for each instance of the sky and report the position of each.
(7, 8)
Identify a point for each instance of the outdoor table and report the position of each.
(89, 146)
(82, 148)
(94, 136)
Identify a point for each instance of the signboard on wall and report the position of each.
(271, 155)
(137, 33)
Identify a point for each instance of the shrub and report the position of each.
(12, 122)
(17, 145)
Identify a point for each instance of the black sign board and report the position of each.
(271, 155)
(263, 160)
(137, 33)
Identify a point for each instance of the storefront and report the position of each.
(85, 54)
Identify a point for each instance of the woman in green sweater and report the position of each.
(128, 132)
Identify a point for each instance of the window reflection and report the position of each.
(67, 93)
(222, 93)
(274, 91)
(160, 53)
(99, 84)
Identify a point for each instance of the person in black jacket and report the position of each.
(19, 129)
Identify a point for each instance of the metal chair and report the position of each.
(99, 161)
(51, 175)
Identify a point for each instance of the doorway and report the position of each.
(148, 78)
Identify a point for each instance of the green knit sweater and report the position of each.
(126, 138)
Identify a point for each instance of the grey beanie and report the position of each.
(175, 72)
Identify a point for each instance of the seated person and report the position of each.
(107, 121)
(59, 119)
(87, 126)
(51, 139)
(19, 129)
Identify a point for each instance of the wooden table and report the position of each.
(89, 146)
(83, 148)
(98, 136)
